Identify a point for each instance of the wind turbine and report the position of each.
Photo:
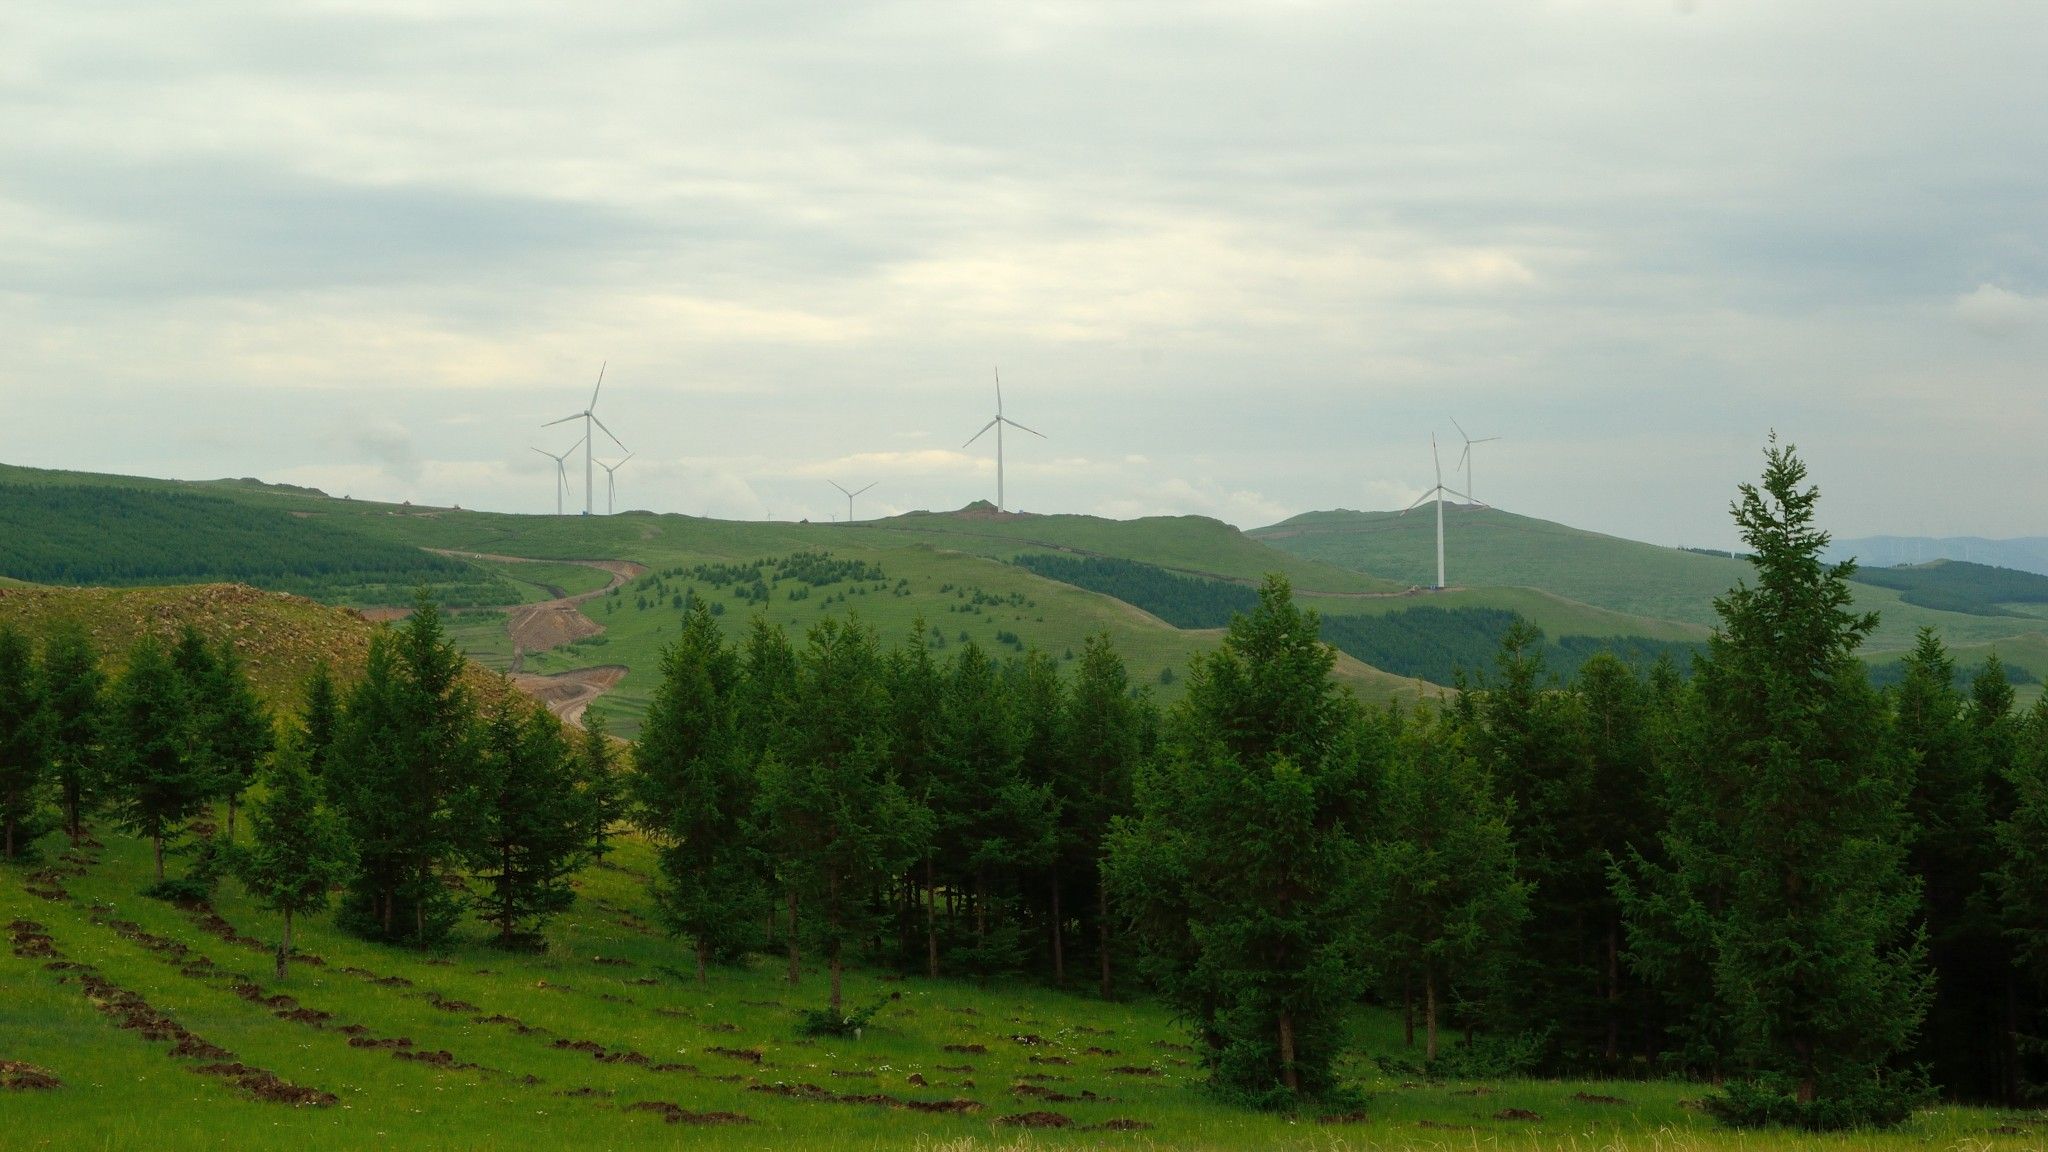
(589, 417)
(1466, 458)
(611, 480)
(1439, 492)
(561, 471)
(850, 496)
(997, 424)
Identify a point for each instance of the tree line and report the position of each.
(1827, 897)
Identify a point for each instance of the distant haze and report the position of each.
(1235, 259)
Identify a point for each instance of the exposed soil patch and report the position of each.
(746, 1054)
(1135, 1070)
(1052, 1096)
(31, 942)
(1516, 1114)
(21, 1076)
(1343, 1118)
(968, 1049)
(1062, 1061)
(1118, 1125)
(1593, 1098)
(677, 1114)
(569, 694)
(267, 1087)
(1036, 1120)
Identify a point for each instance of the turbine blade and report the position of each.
(1421, 500)
(1461, 430)
(1487, 440)
(563, 420)
(983, 432)
(545, 452)
(607, 431)
(600, 384)
(1463, 456)
(836, 484)
(1021, 428)
(864, 489)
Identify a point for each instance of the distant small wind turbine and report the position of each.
(561, 471)
(1439, 492)
(850, 496)
(1466, 458)
(997, 424)
(589, 417)
(611, 480)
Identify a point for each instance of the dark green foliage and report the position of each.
(232, 728)
(296, 850)
(1960, 586)
(320, 719)
(1182, 601)
(601, 780)
(74, 690)
(404, 750)
(1441, 644)
(1891, 673)
(75, 534)
(1445, 902)
(1241, 868)
(1107, 729)
(158, 772)
(529, 823)
(2022, 874)
(832, 1022)
(1786, 840)
(840, 824)
(24, 744)
(693, 792)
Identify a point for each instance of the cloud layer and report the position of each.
(1236, 259)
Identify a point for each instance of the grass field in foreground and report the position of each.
(521, 1071)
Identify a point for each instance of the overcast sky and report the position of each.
(1237, 259)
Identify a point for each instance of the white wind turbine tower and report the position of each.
(997, 424)
(1466, 459)
(611, 480)
(561, 471)
(1439, 492)
(589, 417)
(850, 496)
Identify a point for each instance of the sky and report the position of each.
(1239, 260)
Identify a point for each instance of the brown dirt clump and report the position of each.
(917, 1080)
(968, 1049)
(677, 1114)
(21, 1076)
(1036, 1120)
(1119, 1125)
(746, 1054)
(1059, 1061)
(1595, 1098)
(1343, 1118)
(1135, 1070)
(267, 1087)
(1516, 1114)
(31, 942)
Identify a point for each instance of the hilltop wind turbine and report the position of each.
(589, 417)
(1439, 492)
(611, 480)
(997, 424)
(850, 496)
(1466, 458)
(561, 471)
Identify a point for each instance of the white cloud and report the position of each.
(1991, 310)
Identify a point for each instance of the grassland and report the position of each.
(591, 1044)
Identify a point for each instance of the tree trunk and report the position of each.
(832, 944)
(284, 943)
(1408, 1009)
(390, 899)
(71, 814)
(1613, 994)
(1059, 951)
(1288, 1075)
(795, 960)
(703, 962)
(505, 896)
(156, 840)
(1429, 1015)
(931, 921)
(1102, 930)
(2011, 1077)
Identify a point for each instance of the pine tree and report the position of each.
(159, 777)
(1241, 867)
(320, 718)
(404, 750)
(694, 794)
(532, 823)
(602, 784)
(841, 825)
(1038, 702)
(1446, 901)
(75, 688)
(916, 698)
(297, 850)
(24, 743)
(242, 734)
(2022, 875)
(1787, 840)
(1105, 731)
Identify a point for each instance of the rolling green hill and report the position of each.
(1960, 586)
(1488, 548)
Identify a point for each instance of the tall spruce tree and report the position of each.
(530, 825)
(297, 849)
(693, 792)
(916, 701)
(1241, 869)
(74, 688)
(159, 775)
(24, 743)
(841, 825)
(601, 783)
(319, 718)
(2022, 875)
(1787, 847)
(1446, 902)
(241, 733)
(1105, 732)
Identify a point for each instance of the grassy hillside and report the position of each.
(605, 1042)
(1960, 586)
(1487, 547)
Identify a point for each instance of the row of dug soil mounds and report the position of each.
(21, 1076)
(129, 1011)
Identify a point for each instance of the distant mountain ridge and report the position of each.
(2026, 553)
